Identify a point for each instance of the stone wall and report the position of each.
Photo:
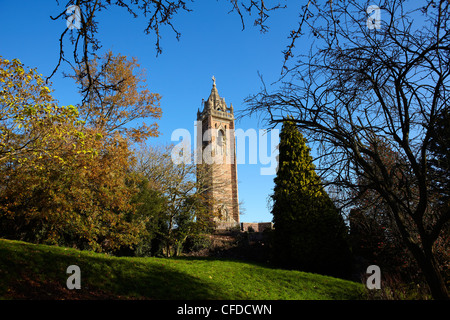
(256, 226)
(223, 225)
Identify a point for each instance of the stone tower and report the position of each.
(216, 159)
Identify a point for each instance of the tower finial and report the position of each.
(214, 81)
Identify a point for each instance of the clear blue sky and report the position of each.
(212, 43)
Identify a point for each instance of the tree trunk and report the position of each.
(436, 283)
(424, 257)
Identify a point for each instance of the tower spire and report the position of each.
(214, 92)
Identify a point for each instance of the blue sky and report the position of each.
(212, 43)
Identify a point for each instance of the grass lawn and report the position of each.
(29, 271)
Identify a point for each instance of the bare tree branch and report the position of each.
(358, 87)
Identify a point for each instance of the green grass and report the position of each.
(29, 271)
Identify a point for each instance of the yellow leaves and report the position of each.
(45, 90)
(19, 70)
(72, 110)
(29, 118)
(59, 158)
(39, 81)
(80, 135)
(45, 94)
(125, 100)
(78, 168)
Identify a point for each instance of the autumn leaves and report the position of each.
(65, 170)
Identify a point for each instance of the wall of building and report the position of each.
(256, 226)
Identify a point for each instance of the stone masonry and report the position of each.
(215, 132)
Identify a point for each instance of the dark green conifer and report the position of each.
(309, 234)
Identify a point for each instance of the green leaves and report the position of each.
(30, 120)
(307, 225)
(64, 182)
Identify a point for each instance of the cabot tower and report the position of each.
(216, 159)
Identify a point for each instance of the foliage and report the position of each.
(81, 201)
(439, 165)
(184, 213)
(309, 232)
(69, 181)
(439, 159)
(118, 97)
(149, 204)
(30, 119)
(83, 188)
(374, 233)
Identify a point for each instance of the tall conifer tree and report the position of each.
(310, 234)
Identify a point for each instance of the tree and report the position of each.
(66, 171)
(149, 204)
(30, 119)
(118, 96)
(309, 234)
(361, 84)
(184, 212)
(374, 234)
(439, 155)
(73, 198)
(439, 165)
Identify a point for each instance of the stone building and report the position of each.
(256, 226)
(216, 159)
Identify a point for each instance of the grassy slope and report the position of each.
(39, 272)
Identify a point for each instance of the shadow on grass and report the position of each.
(38, 272)
(283, 283)
(159, 281)
(30, 271)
